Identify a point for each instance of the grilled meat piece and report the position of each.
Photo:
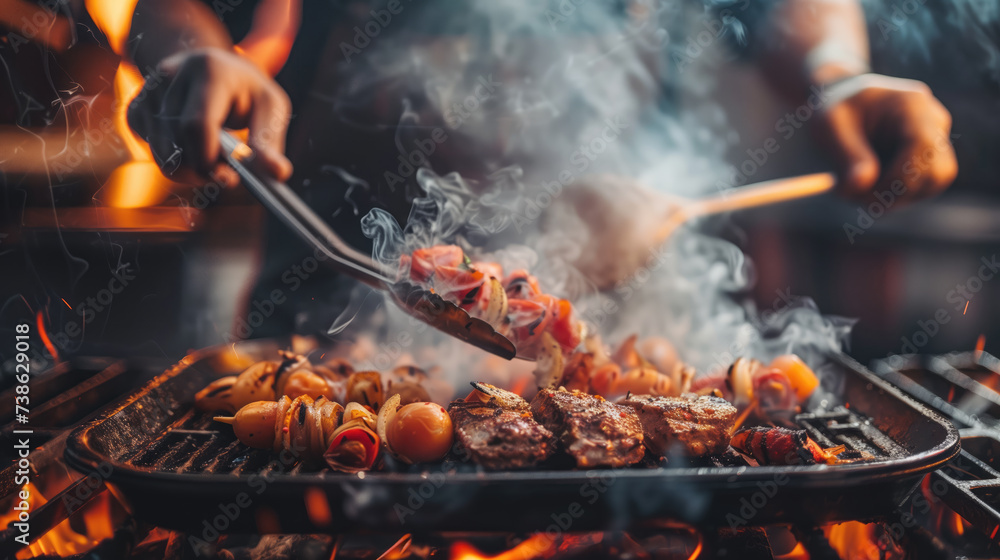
(500, 439)
(500, 397)
(595, 432)
(700, 425)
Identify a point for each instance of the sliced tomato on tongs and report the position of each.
(567, 331)
(521, 285)
(425, 262)
(527, 319)
(458, 284)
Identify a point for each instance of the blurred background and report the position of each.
(108, 257)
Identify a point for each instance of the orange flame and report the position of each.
(538, 545)
(797, 553)
(269, 42)
(317, 507)
(854, 540)
(63, 540)
(980, 345)
(40, 320)
(139, 183)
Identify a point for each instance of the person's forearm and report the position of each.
(161, 28)
(811, 42)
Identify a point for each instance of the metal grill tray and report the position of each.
(177, 469)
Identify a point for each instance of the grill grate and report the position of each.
(166, 453)
(195, 444)
(961, 386)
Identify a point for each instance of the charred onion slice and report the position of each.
(496, 306)
(740, 379)
(256, 383)
(774, 391)
(385, 415)
(549, 362)
(217, 395)
(353, 448)
(365, 387)
(357, 411)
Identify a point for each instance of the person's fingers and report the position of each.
(923, 161)
(923, 165)
(224, 175)
(201, 119)
(855, 160)
(268, 124)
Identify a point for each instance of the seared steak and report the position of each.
(698, 425)
(500, 439)
(595, 432)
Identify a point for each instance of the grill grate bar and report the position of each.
(842, 426)
(973, 477)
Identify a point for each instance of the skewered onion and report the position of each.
(217, 395)
(365, 387)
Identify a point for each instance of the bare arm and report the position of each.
(882, 133)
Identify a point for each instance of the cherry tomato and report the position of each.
(420, 432)
(800, 376)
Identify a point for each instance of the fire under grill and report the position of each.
(159, 455)
(962, 387)
(176, 466)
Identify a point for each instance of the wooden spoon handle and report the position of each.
(758, 194)
(761, 194)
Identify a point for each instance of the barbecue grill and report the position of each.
(175, 466)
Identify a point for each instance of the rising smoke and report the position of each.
(583, 110)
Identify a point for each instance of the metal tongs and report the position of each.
(421, 303)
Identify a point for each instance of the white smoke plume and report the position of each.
(582, 95)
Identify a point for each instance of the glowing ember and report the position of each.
(797, 553)
(40, 320)
(854, 538)
(317, 507)
(980, 345)
(966, 308)
(63, 540)
(955, 523)
(520, 385)
(67, 303)
(538, 545)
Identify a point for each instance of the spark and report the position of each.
(45, 336)
(966, 307)
(67, 303)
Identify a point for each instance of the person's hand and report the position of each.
(192, 96)
(887, 133)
